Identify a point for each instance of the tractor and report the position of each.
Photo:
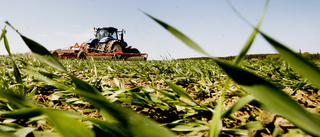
(108, 43)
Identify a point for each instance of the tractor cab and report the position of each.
(106, 32)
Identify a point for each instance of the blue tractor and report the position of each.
(106, 40)
(108, 43)
(109, 40)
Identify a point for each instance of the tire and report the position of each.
(82, 55)
(133, 50)
(86, 47)
(114, 45)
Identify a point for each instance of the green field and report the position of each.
(149, 88)
(46, 96)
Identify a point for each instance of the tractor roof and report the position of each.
(106, 28)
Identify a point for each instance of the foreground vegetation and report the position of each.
(45, 96)
(148, 87)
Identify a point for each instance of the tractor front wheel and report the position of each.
(86, 47)
(82, 55)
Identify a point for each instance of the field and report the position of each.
(147, 87)
(46, 96)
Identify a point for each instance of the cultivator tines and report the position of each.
(81, 54)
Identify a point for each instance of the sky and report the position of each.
(212, 24)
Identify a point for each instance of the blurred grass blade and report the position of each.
(65, 122)
(179, 35)
(273, 98)
(5, 40)
(181, 92)
(17, 75)
(67, 126)
(23, 132)
(216, 123)
(128, 119)
(26, 113)
(16, 100)
(255, 125)
(44, 134)
(46, 79)
(4, 31)
(33, 92)
(82, 85)
(249, 42)
(238, 105)
(43, 54)
(166, 94)
(16, 71)
(106, 126)
(298, 63)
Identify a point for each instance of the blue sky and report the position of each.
(210, 23)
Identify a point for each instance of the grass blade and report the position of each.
(40, 51)
(298, 63)
(166, 94)
(17, 75)
(33, 92)
(84, 86)
(23, 132)
(238, 105)
(16, 71)
(65, 122)
(253, 35)
(128, 119)
(43, 54)
(67, 126)
(16, 100)
(181, 92)
(115, 128)
(216, 123)
(23, 113)
(179, 35)
(3, 33)
(273, 98)
(5, 40)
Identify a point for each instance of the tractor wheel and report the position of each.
(113, 46)
(116, 46)
(86, 47)
(82, 55)
(133, 50)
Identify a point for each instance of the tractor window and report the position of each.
(113, 34)
(102, 33)
(107, 33)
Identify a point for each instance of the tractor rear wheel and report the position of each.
(132, 50)
(113, 46)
